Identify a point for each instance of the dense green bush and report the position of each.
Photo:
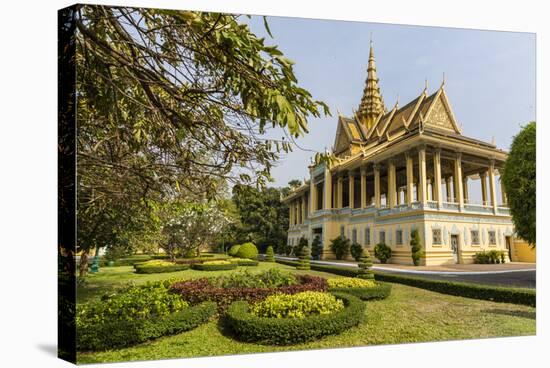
(416, 247)
(285, 331)
(122, 333)
(303, 263)
(365, 264)
(356, 251)
(159, 266)
(475, 291)
(127, 261)
(382, 252)
(233, 250)
(340, 247)
(136, 314)
(247, 250)
(300, 305)
(519, 179)
(269, 254)
(316, 247)
(492, 256)
(221, 265)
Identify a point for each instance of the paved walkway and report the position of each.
(509, 274)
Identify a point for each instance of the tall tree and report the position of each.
(520, 179)
(173, 103)
(263, 217)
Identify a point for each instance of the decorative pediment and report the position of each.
(440, 115)
(341, 140)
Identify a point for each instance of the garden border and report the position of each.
(467, 290)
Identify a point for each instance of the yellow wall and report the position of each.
(522, 252)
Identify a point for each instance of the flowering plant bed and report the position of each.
(361, 288)
(199, 290)
(247, 326)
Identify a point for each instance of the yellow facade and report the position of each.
(389, 176)
(521, 251)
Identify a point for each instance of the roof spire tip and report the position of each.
(425, 84)
(443, 81)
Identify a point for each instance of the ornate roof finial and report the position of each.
(443, 81)
(372, 103)
(425, 84)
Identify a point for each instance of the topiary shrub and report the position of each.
(340, 247)
(233, 250)
(303, 264)
(244, 261)
(288, 250)
(416, 247)
(248, 327)
(374, 291)
(356, 251)
(300, 305)
(215, 266)
(365, 264)
(382, 252)
(269, 254)
(301, 244)
(247, 250)
(158, 266)
(316, 247)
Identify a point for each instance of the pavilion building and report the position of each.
(401, 169)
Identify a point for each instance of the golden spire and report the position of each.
(372, 103)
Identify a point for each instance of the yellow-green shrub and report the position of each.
(300, 305)
(349, 282)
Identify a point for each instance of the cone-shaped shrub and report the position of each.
(269, 254)
(303, 264)
(416, 247)
(365, 263)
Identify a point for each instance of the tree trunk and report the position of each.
(83, 267)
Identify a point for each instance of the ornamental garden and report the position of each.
(151, 307)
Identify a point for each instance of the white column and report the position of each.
(459, 195)
(391, 184)
(351, 191)
(312, 194)
(376, 185)
(503, 193)
(492, 186)
(340, 192)
(363, 187)
(410, 180)
(448, 189)
(437, 177)
(465, 189)
(303, 208)
(483, 180)
(422, 195)
(327, 190)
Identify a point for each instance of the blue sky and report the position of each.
(489, 75)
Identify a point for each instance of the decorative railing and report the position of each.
(450, 206)
(478, 208)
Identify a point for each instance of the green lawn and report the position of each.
(408, 315)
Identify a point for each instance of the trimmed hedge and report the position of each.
(285, 331)
(244, 262)
(127, 333)
(214, 267)
(381, 291)
(198, 290)
(144, 269)
(467, 290)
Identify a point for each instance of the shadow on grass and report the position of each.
(522, 314)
